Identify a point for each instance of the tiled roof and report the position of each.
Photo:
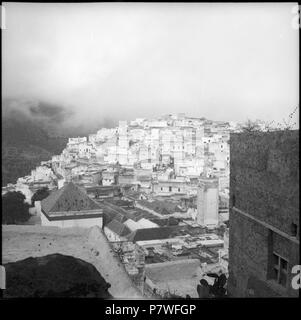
(112, 214)
(163, 207)
(122, 203)
(151, 234)
(68, 198)
(118, 228)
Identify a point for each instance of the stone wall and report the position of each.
(264, 183)
(264, 176)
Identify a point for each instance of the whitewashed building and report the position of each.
(207, 202)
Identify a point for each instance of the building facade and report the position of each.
(207, 202)
(264, 214)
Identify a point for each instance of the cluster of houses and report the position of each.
(163, 157)
(188, 145)
(159, 189)
(140, 238)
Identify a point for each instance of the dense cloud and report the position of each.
(49, 111)
(55, 119)
(89, 65)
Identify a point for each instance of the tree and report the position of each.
(269, 126)
(288, 124)
(40, 195)
(14, 209)
(250, 126)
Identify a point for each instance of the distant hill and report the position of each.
(34, 131)
(24, 146)
(25, 143)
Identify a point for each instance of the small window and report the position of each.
(294, 229)
(161, 189)
(280, 269)
(170, 189)
(179, 189)
(233, 200)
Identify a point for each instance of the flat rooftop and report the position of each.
(179, 277)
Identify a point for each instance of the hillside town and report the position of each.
(150, 152)
(158, 188)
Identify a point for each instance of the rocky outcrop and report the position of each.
(54, 275)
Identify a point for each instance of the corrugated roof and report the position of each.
(68, 198)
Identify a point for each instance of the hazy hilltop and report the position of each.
(28, 137)
(33, 131)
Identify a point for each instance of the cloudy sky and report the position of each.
(122, 61)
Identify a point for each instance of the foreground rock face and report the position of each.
(20, 242)
(54, 275)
